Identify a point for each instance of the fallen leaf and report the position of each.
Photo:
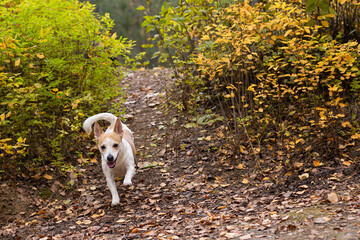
(232, 235)
(333, 198)
(346, 163)
(150, 233)
(97, 215)
(321, 220)
(47, 176)
(291, 227)
(37, 176)
(304, 176)
(87, 222)
(245, 237)
(240, 166)
(190, 125)
(298, 165)
(316, 163)
(40, 212)
(71, 182)
(301, 192)
(222, 207)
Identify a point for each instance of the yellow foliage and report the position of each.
(280, 58)
(277, 70)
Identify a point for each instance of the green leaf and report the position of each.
(311, 5)
(190, 125)
(37, 85)
(148, 166)
(324, 6)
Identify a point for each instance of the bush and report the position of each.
(275, 72)
(177, 29)
(56, 67)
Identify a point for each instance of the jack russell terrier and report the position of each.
(117, 150)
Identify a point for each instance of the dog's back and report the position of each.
(129, 138)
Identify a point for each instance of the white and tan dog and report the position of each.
(117, 149)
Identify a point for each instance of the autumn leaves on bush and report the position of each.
(284, 74)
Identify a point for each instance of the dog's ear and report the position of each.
(97, 130)
(118, 127)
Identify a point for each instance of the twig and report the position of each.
(52, 196)
(148, 166)
(101, 226)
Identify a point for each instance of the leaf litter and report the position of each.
(185, 188)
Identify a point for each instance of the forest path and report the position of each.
(183, 190)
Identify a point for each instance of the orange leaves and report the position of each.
(317, 163)
(47, 176)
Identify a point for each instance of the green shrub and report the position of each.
(176, 31)
(55, 68)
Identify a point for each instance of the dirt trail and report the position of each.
(183, 191)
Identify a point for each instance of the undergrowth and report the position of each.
(57, 66)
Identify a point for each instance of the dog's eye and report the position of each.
(103, 147)
(115, 145)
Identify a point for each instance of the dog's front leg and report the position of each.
(114, 193)
(130, 172)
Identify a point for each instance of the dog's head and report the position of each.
(109, 142)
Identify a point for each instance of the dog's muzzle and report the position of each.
(111, 162)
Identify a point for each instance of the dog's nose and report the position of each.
(110, 158)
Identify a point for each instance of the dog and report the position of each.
(117, 150)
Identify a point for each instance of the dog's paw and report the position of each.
(115, 202)
(127, 183)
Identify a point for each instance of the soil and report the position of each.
(186, 187)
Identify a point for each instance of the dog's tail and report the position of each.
(88, 124)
